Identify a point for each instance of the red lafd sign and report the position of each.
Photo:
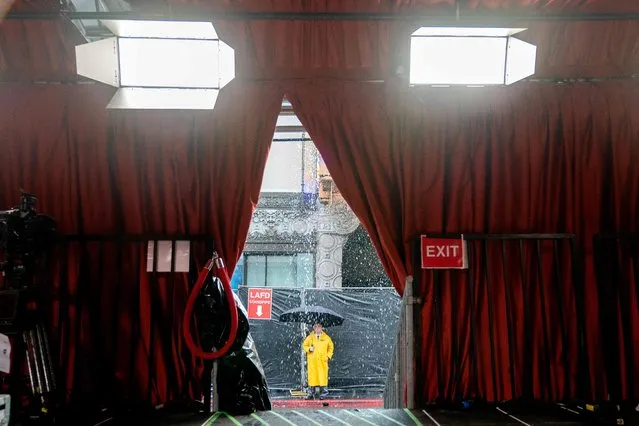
(444, 253)
(260, 302)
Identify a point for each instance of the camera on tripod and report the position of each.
(25, 235)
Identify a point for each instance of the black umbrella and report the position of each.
(312, 315)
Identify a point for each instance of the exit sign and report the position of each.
(444, 253)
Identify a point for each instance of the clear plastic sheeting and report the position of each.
(363, 344)
(240, 381)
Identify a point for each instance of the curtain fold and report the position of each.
(349, 124)
(156, 172)
(529, 158)
(376, 50)
(100, 172)
(407, 6)
(38, 49)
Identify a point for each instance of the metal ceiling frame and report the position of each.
(441, 19)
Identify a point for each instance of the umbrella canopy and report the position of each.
(312, 315)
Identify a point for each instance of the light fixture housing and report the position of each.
(159, 64)
(466, 56)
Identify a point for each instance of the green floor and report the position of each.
(374, 417)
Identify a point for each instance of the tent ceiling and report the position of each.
(374, 49)
(390, 6)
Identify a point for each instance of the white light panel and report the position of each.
(457, 60)
(159, 65)
(226, 63)
(99, 61)
(162, 29)
(522, 57)
(149, 62)
(447, 56)
(152, 98)
(466, 31)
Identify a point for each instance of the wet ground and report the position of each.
(324, 416)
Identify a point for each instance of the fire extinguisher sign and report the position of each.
(260, 303)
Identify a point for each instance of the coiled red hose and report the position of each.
(220, 271)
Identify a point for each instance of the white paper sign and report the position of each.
(5, 354)
(166, 256)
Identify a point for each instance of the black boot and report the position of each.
(324, 393)
(311, 394)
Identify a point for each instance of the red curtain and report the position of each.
(377, 50)
(349, 125)
(132, 173)
(37, 50)
(408, 6)
(529, 158)
(180, 164)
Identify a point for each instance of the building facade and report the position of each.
(301, 226)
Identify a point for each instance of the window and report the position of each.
(279, 270)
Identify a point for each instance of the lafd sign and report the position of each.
(444, 253)
(260, 303)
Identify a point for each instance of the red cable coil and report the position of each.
(214, 262)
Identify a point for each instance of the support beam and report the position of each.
(448, 19)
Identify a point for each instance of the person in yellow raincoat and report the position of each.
(319, 350)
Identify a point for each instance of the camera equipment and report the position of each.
(24, 236)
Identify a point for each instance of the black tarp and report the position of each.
(241, 379)
(363, 344)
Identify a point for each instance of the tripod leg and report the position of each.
(30, 361)
(45, 365)
(41, 375)
(48, 359)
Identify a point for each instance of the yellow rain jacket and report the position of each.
(317, 361)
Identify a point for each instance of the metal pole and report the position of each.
(410, 345)
(441, 19)
(215, 396)
(303, 330)
(397, 399)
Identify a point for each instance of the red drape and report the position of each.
(529, 158)
(37, 50)
(170, 172)
(375, 50)
(386, 6)
(132, 172)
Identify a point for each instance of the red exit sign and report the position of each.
(444, 253)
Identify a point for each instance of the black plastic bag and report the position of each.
(241, 383)
(213, 319)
